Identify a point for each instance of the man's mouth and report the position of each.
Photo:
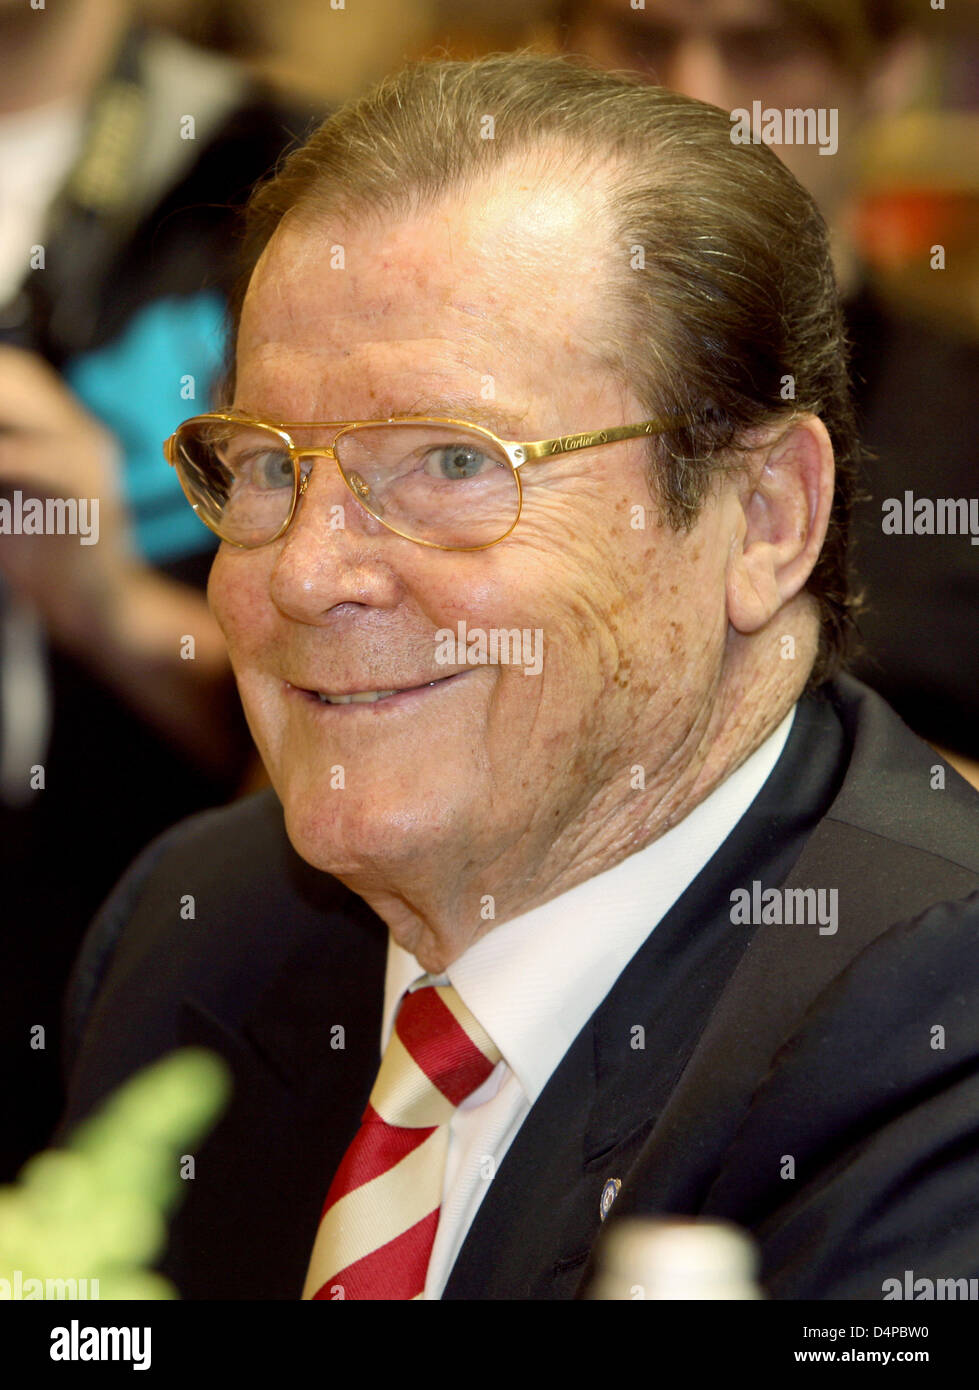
(370, 697)
(361, 697)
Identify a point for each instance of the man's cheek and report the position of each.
(236, 600)
(231, 626)
(219, 592)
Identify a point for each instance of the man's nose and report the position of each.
(698, 68)
(334, 552)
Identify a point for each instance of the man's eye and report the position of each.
(265, 469)
(457, 461)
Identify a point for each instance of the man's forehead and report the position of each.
(496, 261)
(373, 381)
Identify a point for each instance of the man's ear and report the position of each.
(784, 505)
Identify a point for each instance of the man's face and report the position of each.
(484, 309)
(730, 53)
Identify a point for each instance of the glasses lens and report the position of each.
(239, 478)
(438, 483)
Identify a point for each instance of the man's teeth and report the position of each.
(365, 697)
(362, 697)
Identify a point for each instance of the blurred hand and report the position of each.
(50, 446)
(101, 601)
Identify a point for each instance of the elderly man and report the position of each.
(584, 886)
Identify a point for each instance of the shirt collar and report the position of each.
(534, 982)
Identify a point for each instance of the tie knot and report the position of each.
(437, 1056)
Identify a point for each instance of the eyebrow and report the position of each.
(508, 425)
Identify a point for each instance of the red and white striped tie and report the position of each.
(382, 1210)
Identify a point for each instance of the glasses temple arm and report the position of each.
(569, 443)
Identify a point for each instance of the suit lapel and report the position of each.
(532, 1234)
(302, 1061)
(533, 1231)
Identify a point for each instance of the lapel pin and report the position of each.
(609, 1193)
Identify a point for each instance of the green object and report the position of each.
(98, 1208)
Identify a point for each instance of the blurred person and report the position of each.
(535, 589)
(122, 153)
(915, 383)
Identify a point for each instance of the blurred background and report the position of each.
(918, 162)
(117, 258)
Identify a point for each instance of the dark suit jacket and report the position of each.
(760, 1041)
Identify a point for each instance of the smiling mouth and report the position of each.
(372, 697)
(362, 697)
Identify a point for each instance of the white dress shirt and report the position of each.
(534, 982)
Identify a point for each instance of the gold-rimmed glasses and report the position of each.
(433, 480)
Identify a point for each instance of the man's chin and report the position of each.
(359, 842)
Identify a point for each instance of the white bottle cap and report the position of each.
(661, 1258)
